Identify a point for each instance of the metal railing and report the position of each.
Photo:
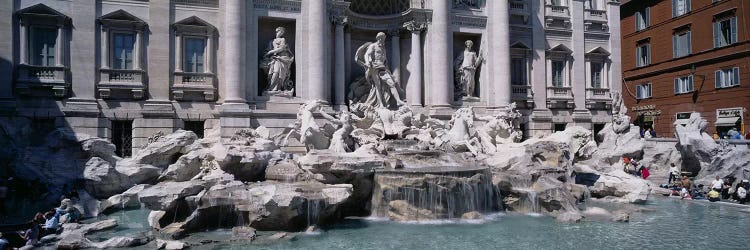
(521, 92)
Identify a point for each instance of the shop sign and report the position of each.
(736, 112)
(646, 110)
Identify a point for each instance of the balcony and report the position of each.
(187, 84)
(559, 93)
(596, 96)
(519, 8)
(521, 93)
(557, 16)
(32, 76)
(121, 80)
(597, 16)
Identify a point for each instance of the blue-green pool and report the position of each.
(670, 224)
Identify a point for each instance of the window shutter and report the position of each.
(638, 18)
(675, 46)
(733, 24)
(677, 85)
(688, 48)
(649, 90)
(647, 18)
(674, 8)
(687, 6)
(648, 54)
(717, 81)
(736, 76)
(717, 32)
(689, 87)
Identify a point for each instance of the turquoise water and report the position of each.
(672, 224)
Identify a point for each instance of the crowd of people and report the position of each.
(718, 190)
(46, 223)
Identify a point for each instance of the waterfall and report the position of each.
(436, 193)
(534, 202)
(313, 211)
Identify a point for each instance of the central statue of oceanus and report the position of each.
(377, 88)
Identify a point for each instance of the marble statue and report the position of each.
(383, 88)
(277, 63)
(341, 140)
(500, 128)
(620, 119)
(305, 129)
(461, 135)
(466, 67)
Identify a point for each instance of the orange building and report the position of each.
(683, 56)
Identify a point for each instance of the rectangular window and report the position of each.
(680, 7)
(683, 84)
(596, 75)
(643, 55)
(643, 91)
(726, 78)
(196, 126)
(518, 71)
(123, 45)
(194, 50)
(642, 19)
(725, 32)
(558, 73)
(559, 2)
(681, 44)
(122, 137)
(43, 44)
(559, 127)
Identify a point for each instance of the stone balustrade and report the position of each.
(32, 76)
(521, 92)
(202, 83)
(560, 93)
(599, 16)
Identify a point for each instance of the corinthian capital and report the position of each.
(338, 19)
(415, 26)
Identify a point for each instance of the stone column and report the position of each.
(208, 59)
(340, 69)
(317, 63)
(347, 55)
(137, 49)
(104, 56)
(178, 52)
(442, 60)
(395, 55)
(233, 52)
(414, 84)
(498, 59)
(23, 42)
(7, 103)
(60, 46)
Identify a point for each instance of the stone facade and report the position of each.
(192, 61)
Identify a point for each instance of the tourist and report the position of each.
(647, 133)
(734, 134)
(653, 133)
(717, 184)
(645, 172)
(714, 195)
(747, 136)
(31, 236)
(686, 183)
(742, 193)
(52, 222)
(674, 173)
(725, 194)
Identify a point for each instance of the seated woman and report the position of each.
(714, 195)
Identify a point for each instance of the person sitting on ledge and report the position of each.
(714, 195)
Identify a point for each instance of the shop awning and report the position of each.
(682, 121)
(727, 121)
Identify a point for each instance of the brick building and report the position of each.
(680, 56)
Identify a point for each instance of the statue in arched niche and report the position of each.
(277, 64)
(379, 85)
(466, 67)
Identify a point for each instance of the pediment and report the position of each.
(42, 11)
(598, 51)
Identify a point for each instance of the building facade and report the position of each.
(683, 56)
(126, 69)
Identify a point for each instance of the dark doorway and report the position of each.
(559, 127)
(122, 137)
(196, 127)
(598, 128)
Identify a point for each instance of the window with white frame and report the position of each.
(681, 44)
(680, 7)
(683, 84)
(195, 49)
(726, 78)
(558, 73)
(123, 45)
(643, 54)
(519, 72)
(596, 74)
(725, 32)
(643, 91)
(642, 18)
(43, 46)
